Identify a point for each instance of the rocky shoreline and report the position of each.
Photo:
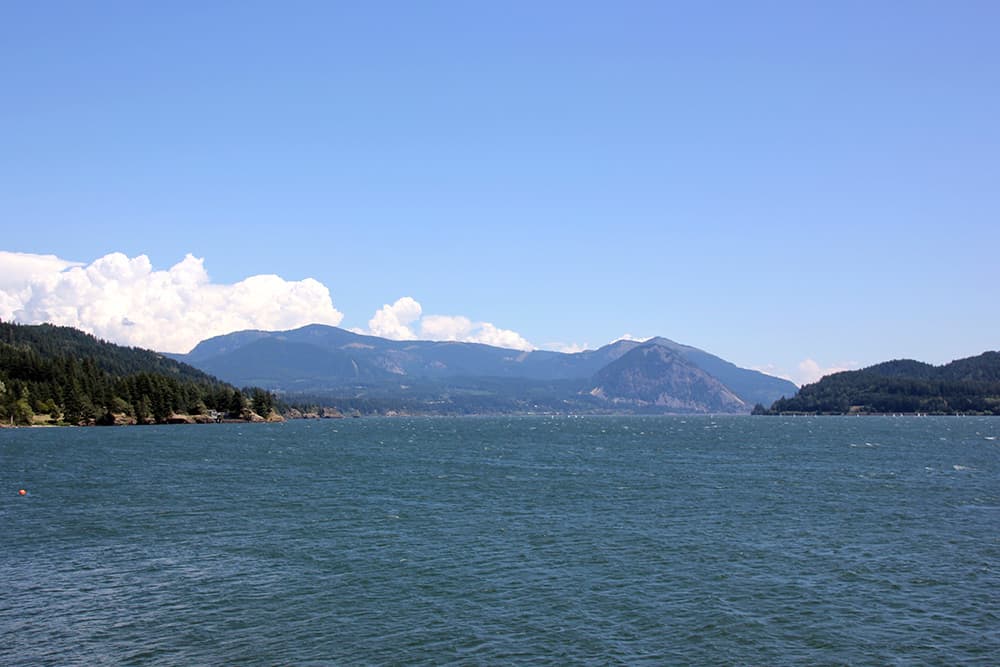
(123, 419)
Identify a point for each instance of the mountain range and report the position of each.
(319, 361)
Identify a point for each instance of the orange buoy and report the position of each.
(22, 492)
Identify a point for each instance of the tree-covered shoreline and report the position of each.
(965, 386)
(60, 375)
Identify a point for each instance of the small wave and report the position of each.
(958, 467)
(985, 508)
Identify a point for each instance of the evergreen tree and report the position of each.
(263, 401)
(237, 404)
(78, 378)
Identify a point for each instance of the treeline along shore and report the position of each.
(968, 386)
(53, 375)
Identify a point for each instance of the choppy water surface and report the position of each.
(504, 541)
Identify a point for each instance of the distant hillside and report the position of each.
(293, 366)
(654, 375)
(969, 385)
(60, 374)
(749, 385)
(320, 360)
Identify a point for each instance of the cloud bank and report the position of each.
(126, 301)
(628, 336)
(568, 348)
(404, 320)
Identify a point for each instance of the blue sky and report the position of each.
(777, 182)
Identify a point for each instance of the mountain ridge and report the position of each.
(325, 360)
(654, 374)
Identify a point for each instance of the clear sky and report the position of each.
(793, 186)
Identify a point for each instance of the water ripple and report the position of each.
(596, 541)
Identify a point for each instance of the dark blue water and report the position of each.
(504, 541)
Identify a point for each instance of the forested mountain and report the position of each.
(67, 376)
(49, 341)
(321, 362)
(969, 385)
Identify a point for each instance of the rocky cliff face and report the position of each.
(654, 375)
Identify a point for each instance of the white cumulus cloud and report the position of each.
(806, 371)
(568, 348)
(392, 321)
(460, 328)
(404, 320)
(20, 268)
(809, 371)
(446, 327)
(126, 300)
